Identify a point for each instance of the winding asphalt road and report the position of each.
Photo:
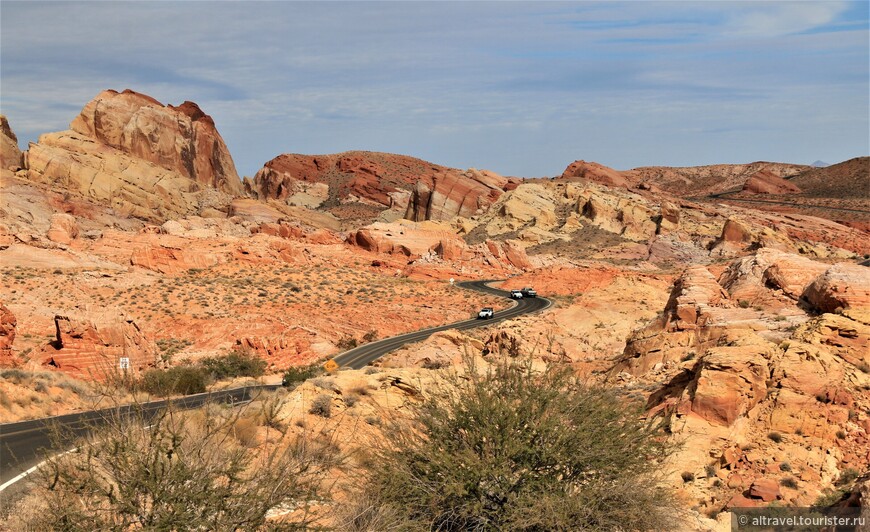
(363, 355)
(23, 444)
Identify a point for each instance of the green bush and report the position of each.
(174, 471)
(234, 364)
(514, 449)
(299, 374)
(182, 380)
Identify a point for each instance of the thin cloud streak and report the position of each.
(521, 88)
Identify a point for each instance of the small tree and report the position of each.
(513, 449)
(175, 471)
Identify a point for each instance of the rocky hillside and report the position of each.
(849, 179)
(142, 158)
(364, 186)
(694, 181)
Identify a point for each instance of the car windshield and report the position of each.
(487, 309)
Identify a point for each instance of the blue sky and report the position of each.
(521, 88)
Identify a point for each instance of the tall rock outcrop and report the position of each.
(10, 153)
(372, 185)
(182, 139)
(142, 158)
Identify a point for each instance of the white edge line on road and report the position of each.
(32, 470)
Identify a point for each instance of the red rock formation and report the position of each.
(10, 153)
(182, 139)
(712, 179)
(415, 189)
(595, 172)
(7, 335)
(172, 261)
(92, 347)
(766, 182)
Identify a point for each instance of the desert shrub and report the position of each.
(848, 476)
(325, 383)
(351, 400)
(828, 498)
(743, 303)
(428, 363)
(370, 336)
(347, 342)
(841, 435)
(775, 437)
(299, 374)
(513, 449)
(169, 347)
(687, 476)
(182, 380)
(789, 482)
(235, 364)
(785, 466)
(321, 406)
(172, 472)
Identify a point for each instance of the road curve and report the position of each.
(22, 444)
(363, 355)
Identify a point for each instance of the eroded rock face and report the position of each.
(10, 153)
(7, 335)
(182, 139)
(143, 159)
(92, 346)
(598, 173)
(404, 186)
(842, 286)
(172, 261)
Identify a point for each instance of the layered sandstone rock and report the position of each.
(93, 346)
(173, 261)
(139, 157)
(10, 153)
(750, 277)
(842, 286)
(404, 186)
(182, 139)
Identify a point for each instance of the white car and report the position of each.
(485, 314)
(516, 294)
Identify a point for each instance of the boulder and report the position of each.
(728, 384)
(766, 489)
(842, 286)
(64, 228)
